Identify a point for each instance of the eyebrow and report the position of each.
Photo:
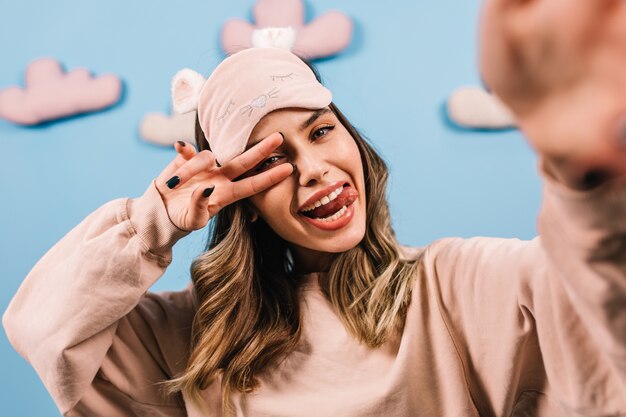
(308, 122)
(317, 113)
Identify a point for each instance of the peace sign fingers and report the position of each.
(255, 184)
(252, 157)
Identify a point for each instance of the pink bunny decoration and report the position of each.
(164, 129)
(326, 35)
(50, 93)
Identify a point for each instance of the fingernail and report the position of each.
(282, 134)
(208, 191)
(294, 167)
(173, 182)
(181, 143)
(218, 164)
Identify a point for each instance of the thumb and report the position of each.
(198, 213)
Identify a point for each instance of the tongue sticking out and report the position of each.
(347, 197)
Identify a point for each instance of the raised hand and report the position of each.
(558, 64)
(199, 188)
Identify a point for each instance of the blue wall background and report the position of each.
(407, 56)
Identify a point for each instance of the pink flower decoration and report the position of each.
(327, 35)
(50, 93)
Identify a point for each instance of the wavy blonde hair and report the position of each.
(248, 316)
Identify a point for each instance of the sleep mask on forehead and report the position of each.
(241, 90)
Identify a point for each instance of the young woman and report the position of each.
(304, 304)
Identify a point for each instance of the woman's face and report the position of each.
(329, 175)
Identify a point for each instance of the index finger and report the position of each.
(250, 158)
(261, 182)
(185, 151)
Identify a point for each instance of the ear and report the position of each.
(251, 212)
(254, 217)
(186, 86)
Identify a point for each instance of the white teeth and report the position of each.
(334, 216)
(324, 200)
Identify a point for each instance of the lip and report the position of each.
(335, 224)
(321, 193)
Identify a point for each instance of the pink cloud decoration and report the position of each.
(326, 35)
(163, 129)
(475, 108)
(50, 93)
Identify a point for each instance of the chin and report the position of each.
(342, 243)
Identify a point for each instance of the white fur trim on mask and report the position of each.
(186, 86)
(284, 38)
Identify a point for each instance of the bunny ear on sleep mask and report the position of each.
(186, 86)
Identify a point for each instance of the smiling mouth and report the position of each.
(326, 211)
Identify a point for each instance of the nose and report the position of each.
(311, 167)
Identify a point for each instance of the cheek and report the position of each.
(345, 153)
(273, 202)
(352, 160)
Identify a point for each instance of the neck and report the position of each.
(307, 260)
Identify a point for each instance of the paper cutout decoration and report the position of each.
(50, 93)
(475, 108)
(326, 35)
(166, 130)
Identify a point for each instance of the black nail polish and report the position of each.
(173, 182)
(208, 191)
(218, 164)
(294, 167)
(282, 134)
(181, 143)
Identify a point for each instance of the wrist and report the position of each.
(572, 176)
(150, 220)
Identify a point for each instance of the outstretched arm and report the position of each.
(542, 324)
(559, 65)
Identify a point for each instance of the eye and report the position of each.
(267, 163)
(322, 131)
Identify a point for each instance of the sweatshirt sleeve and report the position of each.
(540, 326)
(82, 317)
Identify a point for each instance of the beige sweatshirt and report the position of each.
(496, 327)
